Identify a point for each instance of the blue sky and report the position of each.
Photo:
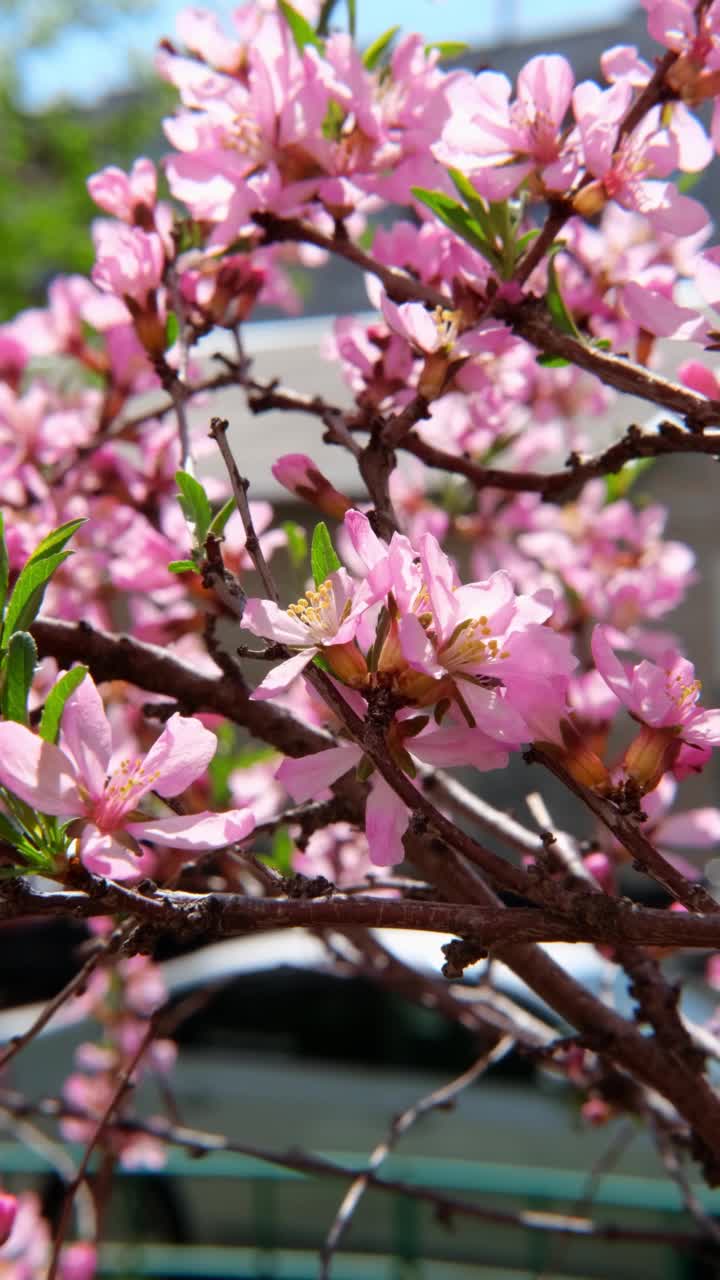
(84, 65)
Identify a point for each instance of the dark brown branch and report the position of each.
(398, 285)
(591, 917)
(629, 834)
(531, 321)
(113, 657)
(669, 438)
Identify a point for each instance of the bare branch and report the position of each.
(198, 1143)
(439, 1099)
(218, 431)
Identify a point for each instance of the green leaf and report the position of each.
(55, 541)
(300, 29)
(352, 17)
(10, 832)
(19, 671)
(457, 218)
(375, 51)
(562, 319)
(28, 592)
(686, 181)
(282, 850)
(297, 543)
(331, 127)
(56, 699)
(251, 754)
(448, 48)
(4, 567)
(220, 519)
(522, 243)
(172, 329)
(222, 765)
(478, 207)
(617, 486)
(182, 566)
(552, 362)
(323, 558)
(195, 505)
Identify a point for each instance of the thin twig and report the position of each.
(123, 1084)
(441, 1098)
(198, 1142)
(17, 1043)
(218, 431)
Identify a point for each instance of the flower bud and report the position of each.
(596, 1111)
(590, 199)
(347, 663)
(650, 754)
(298, 473)
(584, 765)
(434, 375)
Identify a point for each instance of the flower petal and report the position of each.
(386, 821)
(266, 619)
(105, 856)
(308, 775)
(282, 676)
(182, 752)
(38, 772)
(694, 829)
(87, 736)
(196, 830)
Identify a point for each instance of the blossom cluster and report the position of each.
(550, 245)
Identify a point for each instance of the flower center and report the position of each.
(118, 798)
(683, 694)
(317, 610)
(446, 323)
(471, 644)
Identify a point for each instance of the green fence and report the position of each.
(246, 1219)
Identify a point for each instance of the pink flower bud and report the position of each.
(596, 1111)
(8, 1211)
(298, 473)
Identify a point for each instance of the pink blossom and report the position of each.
(509, 670)
(498, 142)
(129, 262)
(321, 618)
(338, 852)
(629, 168)
(386, 815)
(130, 197)
(662, 698)
(72, 782)
(26, 1253)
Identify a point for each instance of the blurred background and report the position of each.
(282, 1053)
